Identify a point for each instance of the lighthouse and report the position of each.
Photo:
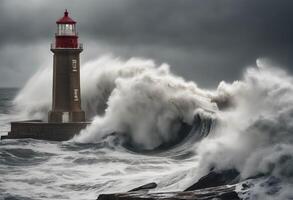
(66, 118)
(66, 100)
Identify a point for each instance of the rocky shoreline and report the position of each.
(214, 193)
(217, 185)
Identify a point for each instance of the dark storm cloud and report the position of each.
(203, 40)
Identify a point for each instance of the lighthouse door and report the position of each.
(65, 117)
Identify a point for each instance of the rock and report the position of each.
(229, 195)
(210, 187)
(219, 193)
(215, 178)
(144, 187)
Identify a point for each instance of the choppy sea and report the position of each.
(166, 130)
(35, 169)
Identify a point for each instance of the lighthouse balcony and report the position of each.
(66, 33)
(67, 46)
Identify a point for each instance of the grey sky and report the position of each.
(203, 40)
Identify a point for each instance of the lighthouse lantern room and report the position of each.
(66, 35)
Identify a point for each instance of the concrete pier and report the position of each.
(37, 129)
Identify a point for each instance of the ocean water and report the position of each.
(34, 169)
(6, 97)
(150, 125)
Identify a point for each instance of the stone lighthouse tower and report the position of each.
(66, 102)
(66, 118)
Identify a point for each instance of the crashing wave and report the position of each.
(246, 125)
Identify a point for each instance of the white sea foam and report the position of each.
(141, 99)
(146, 101)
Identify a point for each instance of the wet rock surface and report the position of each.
(144, 187)
(217, 185)
(216, 178)
(219, 193)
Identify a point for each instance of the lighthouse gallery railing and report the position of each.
(79, 46)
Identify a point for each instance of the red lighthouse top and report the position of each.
(66, 35)
(66, 19)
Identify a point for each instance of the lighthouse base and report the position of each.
(40, 130)
(64, 117)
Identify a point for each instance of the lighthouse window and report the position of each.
(61, 29)
(75, 94)
(66, 29)
(74, 67)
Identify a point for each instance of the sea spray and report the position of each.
(34, 99)
(254, 135)
(134, 97)
(253, 132)
(146, 102)
(260, 118)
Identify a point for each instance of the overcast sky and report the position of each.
(202, 40)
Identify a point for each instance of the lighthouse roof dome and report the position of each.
(66, 19)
